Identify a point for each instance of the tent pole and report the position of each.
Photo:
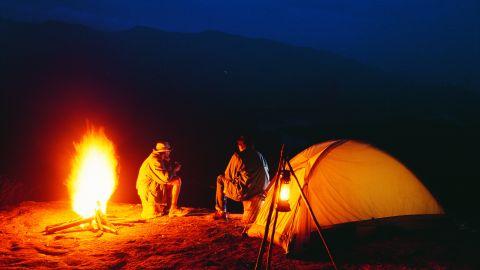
(317, 224)
(261, 251)
(272, 237)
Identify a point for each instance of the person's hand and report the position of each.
(177, 167)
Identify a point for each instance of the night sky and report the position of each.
(431, 40)
(399, 74)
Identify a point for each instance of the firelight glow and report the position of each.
(94, 173)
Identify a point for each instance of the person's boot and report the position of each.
(220, 215)
(177, 212)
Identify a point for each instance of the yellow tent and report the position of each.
(345, 182)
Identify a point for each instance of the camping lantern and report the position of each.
(283, 205)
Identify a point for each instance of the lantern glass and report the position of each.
(283, 205)
(285, 192)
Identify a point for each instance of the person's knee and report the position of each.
(220, 179)
(176, 181)
(143, 195)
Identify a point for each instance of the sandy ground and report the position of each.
(191, 242)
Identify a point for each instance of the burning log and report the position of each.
(109, 229)
(98, 220)
(66, 225)
(104, 224)
(96, 223)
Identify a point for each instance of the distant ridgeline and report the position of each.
(199, 90)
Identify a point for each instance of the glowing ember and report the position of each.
(94, 173)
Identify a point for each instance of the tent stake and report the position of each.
(317, 224)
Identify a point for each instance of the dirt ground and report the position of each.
(191, 242)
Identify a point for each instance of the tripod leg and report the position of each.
(315, 221)
(269, 252)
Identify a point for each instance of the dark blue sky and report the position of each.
(435, 39)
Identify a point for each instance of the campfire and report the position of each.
(92, 181)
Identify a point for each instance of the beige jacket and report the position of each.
(152, 174)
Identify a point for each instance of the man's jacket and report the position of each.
(249, 171)
(151, 174)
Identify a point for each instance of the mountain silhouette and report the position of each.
(200, 91)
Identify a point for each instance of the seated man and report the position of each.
(246, 176)
(157, 172)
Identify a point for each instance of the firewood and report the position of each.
(122, 224)
(110, 229)
(66, 225)
(62, 223)
(97, 223)
(93, 226)
(98, 220)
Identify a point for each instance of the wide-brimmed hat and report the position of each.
(162, 146)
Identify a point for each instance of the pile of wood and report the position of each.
(97, 223)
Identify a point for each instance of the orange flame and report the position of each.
(94, 173)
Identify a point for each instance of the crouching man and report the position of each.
(245, 177)
(156, 177)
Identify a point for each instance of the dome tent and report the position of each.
(345, 182)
